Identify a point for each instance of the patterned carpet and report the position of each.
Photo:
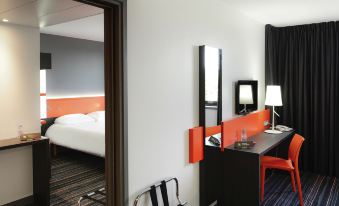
(317, 190)
(73, 175)
(76, 174)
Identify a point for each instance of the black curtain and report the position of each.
(304, 61)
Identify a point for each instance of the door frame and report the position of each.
(116, 173)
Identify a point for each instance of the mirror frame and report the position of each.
(202, 102)
(202, 118)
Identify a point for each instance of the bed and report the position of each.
(76, 123)
(88, 137)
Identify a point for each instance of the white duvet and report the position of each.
(87, 137)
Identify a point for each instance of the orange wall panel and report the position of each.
(254, 123)
(196, 144)
(63, 106)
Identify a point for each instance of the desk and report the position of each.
(41, 165)
(233, 176)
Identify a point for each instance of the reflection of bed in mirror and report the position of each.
(77, 123)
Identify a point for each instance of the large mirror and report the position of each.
(210, 86)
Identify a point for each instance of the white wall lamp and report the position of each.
(273, 98)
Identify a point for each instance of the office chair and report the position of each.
(290, 165)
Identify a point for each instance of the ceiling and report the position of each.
(60, 17)
(90, 28)
(287, 12)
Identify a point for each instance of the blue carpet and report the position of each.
(317, 190)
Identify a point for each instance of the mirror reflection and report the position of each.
(210, 72)
(246, 99)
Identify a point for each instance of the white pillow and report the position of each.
(73, 119)
(98, 116)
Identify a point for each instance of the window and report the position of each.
(43, 99)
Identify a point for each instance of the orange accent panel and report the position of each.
(213, 130)
(196, 143)
(254, 124)
(63, 106)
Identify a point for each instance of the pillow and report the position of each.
(73, 119)
(98, 116)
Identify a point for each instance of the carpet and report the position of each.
(73, 175)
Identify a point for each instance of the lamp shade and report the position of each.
(273, 96)
(245, 94)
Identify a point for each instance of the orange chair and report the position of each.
(290, 165)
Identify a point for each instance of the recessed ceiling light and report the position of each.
(5, 20)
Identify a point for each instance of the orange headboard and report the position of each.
(63, 106)
(254, 123)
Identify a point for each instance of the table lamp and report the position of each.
(273, 98)
(245, 97)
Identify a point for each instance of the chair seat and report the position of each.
(276, 163)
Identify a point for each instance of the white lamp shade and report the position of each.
(245, 94)
(273, 96)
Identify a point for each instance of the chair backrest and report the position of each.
(295, 146)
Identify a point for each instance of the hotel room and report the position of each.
(73, 105)
(154, 102)
(66, 43)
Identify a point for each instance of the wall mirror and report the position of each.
(246, 96)
(210, 86)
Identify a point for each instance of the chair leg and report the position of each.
(262, 183)
(293, 181)
(299, 187)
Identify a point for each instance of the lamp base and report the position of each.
(271, 131)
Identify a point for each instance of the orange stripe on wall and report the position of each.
(63, 106)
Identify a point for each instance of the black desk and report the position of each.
(41, 166)
(233, 176)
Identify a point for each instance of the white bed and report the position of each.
(88, 137)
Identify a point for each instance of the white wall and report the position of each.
(163, 36)
(19, 92)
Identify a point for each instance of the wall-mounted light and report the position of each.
(5, 20)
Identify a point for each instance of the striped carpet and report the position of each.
(73, 175)
(317, 190)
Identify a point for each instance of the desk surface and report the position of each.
(16, 142)
(264, 142)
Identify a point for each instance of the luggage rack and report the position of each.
(158, 185)
(90, 196)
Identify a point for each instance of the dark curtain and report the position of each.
(304, 61)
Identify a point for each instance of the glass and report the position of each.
(243, 134)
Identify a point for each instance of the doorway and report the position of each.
(115, 12)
